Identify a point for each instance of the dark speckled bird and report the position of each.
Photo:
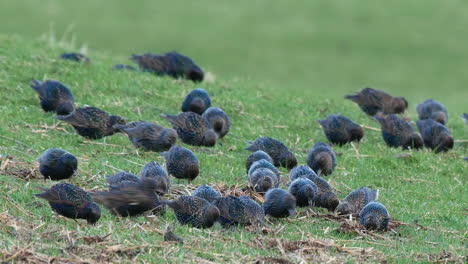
(91, 122)
(121, 176)
(154, 171)
(131, 198)
(276, 149)
(196, 101)
(149, 136)
(397, 132)
(374, 216)
(54, 97)
(435, 135)
(279, 203)
(57, 164)
(233, 211)
(305, 191)
(192, 129)
(206, 192)
(326, 195)
(72, 202)
(431, 109)
(373, 101)
(321, 159)
(356, 200)
(124, 67)
(181, 163)
(302, 171)
(172, 64)
(217, 120)
(263, 163)
(256, 156)
(73, 56)
(255, 209)
(341, 130)
(194, 211)
(263, 179)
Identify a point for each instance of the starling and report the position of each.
(57, 164)
(279, 203)
(435, 135)
(263, 179)
(373, 101)
(149, 136)
(276, 149)
(305, 191)
(206, 192)
(71, 201)
(256, 156)
(172, 64)
(54, 97)
(217, 120)
(195, 211)
(321, 159)
(302, 171)
(124, 67)
(169, 235)
(264, 164)
(192, 129)
(131, 198)
(154, 171)
(121, 176)
(73, 56)
(91, 122)
(181, 163)
(196, 101)
(233, 211)
(374, 216)
(255, 209)
(356, 200)
(341, 130)
(326, 196)
(397, 132)
(431, 109)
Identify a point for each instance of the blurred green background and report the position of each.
(324, 47)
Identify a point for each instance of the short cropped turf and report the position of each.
(277, 83)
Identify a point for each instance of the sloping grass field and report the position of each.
(275, 74)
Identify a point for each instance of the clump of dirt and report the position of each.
(19, 169)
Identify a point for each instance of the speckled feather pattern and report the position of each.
(256, 156)
(54, 96)
(326, 195)
(149, 136)
(182, 163)
(206, 192)
(191, 128)
(194, 211)
(435, 135)
(374, 216)
(356, 200)
(57, 164)
(322, 159)
(279, 203)
(431, 109)
(305, 191)
(153, 170)
(196, 101)
(397, 132)
(341, 130)
(217, 120)
(277, 150)
(302, 171)
(263, 163)
(373, 101)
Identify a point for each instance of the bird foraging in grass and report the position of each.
(74, 56)
(435, 135)
(373, 101)
(72, 202)
(397, 132)
(196, 101)
(374, 216)
(262, 180)
(57, 164)
(341, 130)
(121, 176)
(149, 136)
(195, 211)
(154, 171)
(192, 129)
(277, 150)
(256, 156)
(206, 192)
(91, 122)
(264, 164)
(279, 203)
(322, 159)
(182, 163)
(302, 171)
(54, 96)
(431, 109)
(233, 211)
(217, 120)
(326, 197)
(356, 200)
(305, 191)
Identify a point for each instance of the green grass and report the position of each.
(277, 73)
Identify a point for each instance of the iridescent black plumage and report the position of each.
(305, 191)
(341, 130)
(321, 159)
(431, 109)
(276, 149)
(149, 136)
(172, 64)
(263, 179)
(181, 163)
(256, 156)
(374, 216)
(326, 195)
(57, 164)
(217, 120)
(233, 212)
(196, 101)
(91, 122)
(356, 200)
(121, 176)
(302, 171)
(72, 202)
(373, 101)
(192, 129)
(279, 203)
(263, 163)
(397, 132)
(206, 192)
(54, 97)
(195, 211)
(131, 198)
(435, 135)
(73, 56)
(255, 209)
(154, 171)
